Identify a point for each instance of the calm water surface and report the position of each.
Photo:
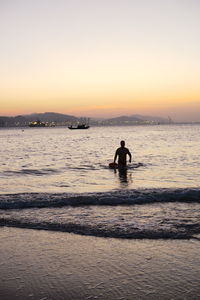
(62, 160)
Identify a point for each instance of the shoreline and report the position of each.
(38, 264)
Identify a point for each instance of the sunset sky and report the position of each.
(100, 58)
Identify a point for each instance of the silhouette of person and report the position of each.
(122, 153)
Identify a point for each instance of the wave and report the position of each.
(163, 221)
(113, 198)
(184, 232)
(36, 172)
(130, 214)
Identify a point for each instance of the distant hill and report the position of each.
(12, 121)
(65, 120)
(135, 119)
(152, 118)
(50, 117)
(47, 117)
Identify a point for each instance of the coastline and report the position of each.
(37, 264)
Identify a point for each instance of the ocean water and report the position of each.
(58, 179)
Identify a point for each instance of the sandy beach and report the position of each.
(37, 264)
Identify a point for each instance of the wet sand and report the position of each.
(37, 264)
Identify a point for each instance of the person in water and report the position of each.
(122, 153)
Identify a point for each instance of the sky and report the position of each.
(100, 58)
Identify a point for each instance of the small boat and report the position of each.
(82, 124)
(79, 126)
(37, 124)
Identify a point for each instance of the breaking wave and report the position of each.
(147, 213)
(118, 197)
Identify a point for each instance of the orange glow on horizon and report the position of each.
(108, 110)
(87, 60)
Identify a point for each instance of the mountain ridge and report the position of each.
(60, 119)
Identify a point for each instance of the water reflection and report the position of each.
(125, 178)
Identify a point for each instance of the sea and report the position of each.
(58, 179)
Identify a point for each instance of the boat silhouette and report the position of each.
(83, 124)
(79, 126)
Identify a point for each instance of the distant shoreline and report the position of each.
(57, 119)
(100, 125)
(51, 119)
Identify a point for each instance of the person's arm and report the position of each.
(115, 156)
(130, 156)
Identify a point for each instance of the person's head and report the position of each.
(122, 143)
